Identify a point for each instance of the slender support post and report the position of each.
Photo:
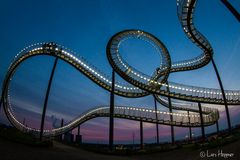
(62, 121)
(78, 130)
(223, 95)
(157, 129)
(78, 136)
(111, 120)
(202, 122)
(171, 117)
(141, 134)
(46, 98)
(231, 9)
(190, 128)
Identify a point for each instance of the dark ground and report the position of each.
(15, 151)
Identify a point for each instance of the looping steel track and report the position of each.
(139, 84)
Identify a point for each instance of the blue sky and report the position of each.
(86, 26)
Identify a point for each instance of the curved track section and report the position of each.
(132, 113)
(183, 105)
(139, 84)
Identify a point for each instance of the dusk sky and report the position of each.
(85, 27)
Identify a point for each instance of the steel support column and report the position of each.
(111, 120)
(223, 94)
(171, 117)
(62, 121)
(190, 128)
(231, 9)
(46, 98)
(141, 134)
(157, 129)
(202, 121)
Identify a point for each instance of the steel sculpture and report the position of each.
(183, 97)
